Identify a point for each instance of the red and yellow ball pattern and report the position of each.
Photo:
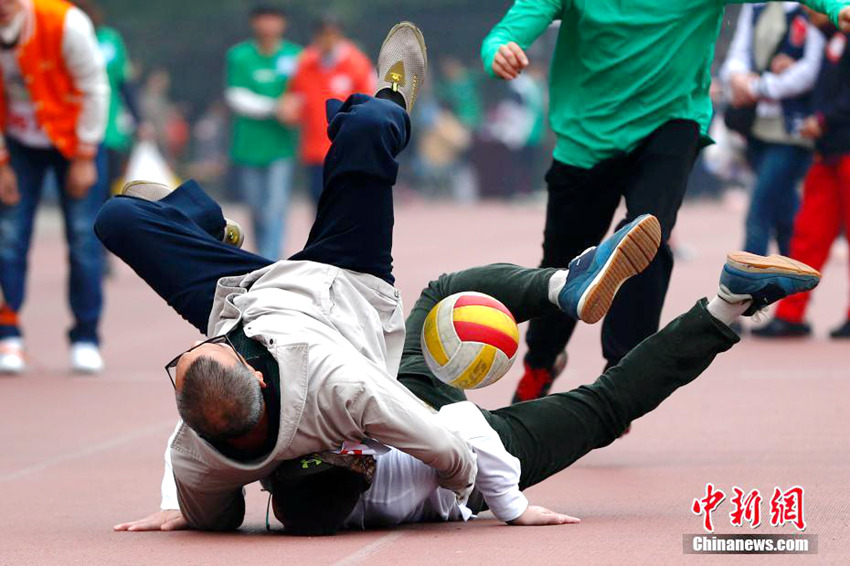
(470, 340)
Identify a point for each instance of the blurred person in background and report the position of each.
(770, 69)
(157, 106)
(825, 210)
(331, 67)
(55, 100)
(210, 146)
(263, 148)
(519, 123)
(124, 113)
(460, 92)
(629, 103)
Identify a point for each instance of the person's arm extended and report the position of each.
(799, 77)
(385, 410)
(523, 24)
(169, 517)
(498, 471)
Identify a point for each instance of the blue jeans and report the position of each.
(85, 252)
(175, 244)
(779, 169)
(266, 191)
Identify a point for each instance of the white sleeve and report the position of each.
(498, 471)
(800, 77)
(738, 59)
(84, 62)
(169, 486)
(244, 102)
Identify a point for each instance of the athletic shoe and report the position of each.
(151, 191)
(403, 62)
(12, 356)
(86, 358)
(778, 328)
(596, 275)
(764, 280)
(842, 332)
(537, 383)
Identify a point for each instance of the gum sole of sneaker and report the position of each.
(633, 254)
(745, 261)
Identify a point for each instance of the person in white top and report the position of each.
(54, 98)
(769, 72)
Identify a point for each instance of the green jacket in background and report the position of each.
(622, 68)
(259, 142)
(120, 125)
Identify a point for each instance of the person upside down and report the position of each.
(309, 361)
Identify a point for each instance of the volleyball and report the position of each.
(470, 340)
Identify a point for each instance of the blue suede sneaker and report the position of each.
(764, 280)
(596, 275)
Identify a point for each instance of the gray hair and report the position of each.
(220, 402)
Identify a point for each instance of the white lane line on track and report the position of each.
(162, 427)
(368, 550)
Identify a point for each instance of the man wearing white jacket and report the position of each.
(304, 352)
(369, 486)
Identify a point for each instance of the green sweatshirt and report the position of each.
(622, 68)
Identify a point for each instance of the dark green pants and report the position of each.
(549, 434)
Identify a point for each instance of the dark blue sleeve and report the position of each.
(839, 113)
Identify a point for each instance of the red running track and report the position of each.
(81, 454)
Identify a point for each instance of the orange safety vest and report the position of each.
(57, 101)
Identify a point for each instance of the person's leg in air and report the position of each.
(547, 435)
(584, 292)
(354, 223)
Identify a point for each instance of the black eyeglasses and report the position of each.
(172, 365)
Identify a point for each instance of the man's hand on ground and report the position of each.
(9, 194)
(167, 520)
(536, 516)
(82, 175)
(509, 62)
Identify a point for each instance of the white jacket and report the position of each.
(337, 337)
(404, 490)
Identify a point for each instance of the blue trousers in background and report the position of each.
(266, 190)
(779, 169)
(85, 254)
(175, 244)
